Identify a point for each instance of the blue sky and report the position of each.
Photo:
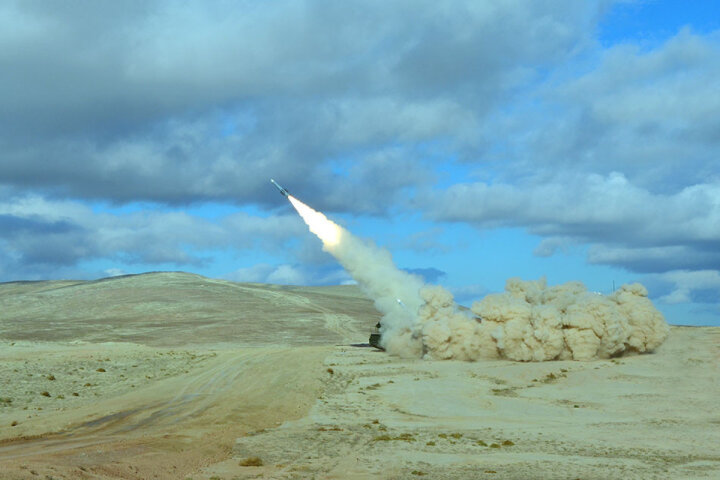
(475, 140)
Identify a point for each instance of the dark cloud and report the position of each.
(184, 102)
(36, 241)
(12, 225)
(39, 236)
(657, 259)
(627, 226)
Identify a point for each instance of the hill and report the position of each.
(171, 308)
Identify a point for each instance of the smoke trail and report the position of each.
(377, 275)
(528, 322)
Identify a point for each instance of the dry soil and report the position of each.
(176, 376)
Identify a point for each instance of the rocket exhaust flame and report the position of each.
(328, 231)
(531, 321)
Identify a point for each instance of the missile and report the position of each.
(282, 190)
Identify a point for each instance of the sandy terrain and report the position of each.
(175, 376)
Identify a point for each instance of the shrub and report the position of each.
(252, 462)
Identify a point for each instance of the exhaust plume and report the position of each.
(530, 321)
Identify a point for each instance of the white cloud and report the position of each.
(648, 113)
(701, 286)
(134, 101)
(39, 234)
(114, 272)
(286, 274)
(467, 294)
(627, 225)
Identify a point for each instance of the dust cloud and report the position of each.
(530, 321)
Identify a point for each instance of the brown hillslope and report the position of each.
(177, 376)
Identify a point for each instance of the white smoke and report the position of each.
(528, 322)
(385, 284)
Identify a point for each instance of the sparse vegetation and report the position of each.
(333, 428)
(51, 377)
(405, 437)
(252, 462)
(504, 392)
(100, 370)
(552, 377)
(418, 473)
(45, 394)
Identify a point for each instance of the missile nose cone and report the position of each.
(284, 192)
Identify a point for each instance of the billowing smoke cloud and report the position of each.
(530, 321)
(533, 322)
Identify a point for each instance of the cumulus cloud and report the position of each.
(626, 225)
(644, 111)
(684, 286)
(39, 235)
(286, 274)
(209, 99)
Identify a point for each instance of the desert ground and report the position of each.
(177, 376)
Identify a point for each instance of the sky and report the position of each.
(475, 140)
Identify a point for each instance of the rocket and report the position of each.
(282, 190)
